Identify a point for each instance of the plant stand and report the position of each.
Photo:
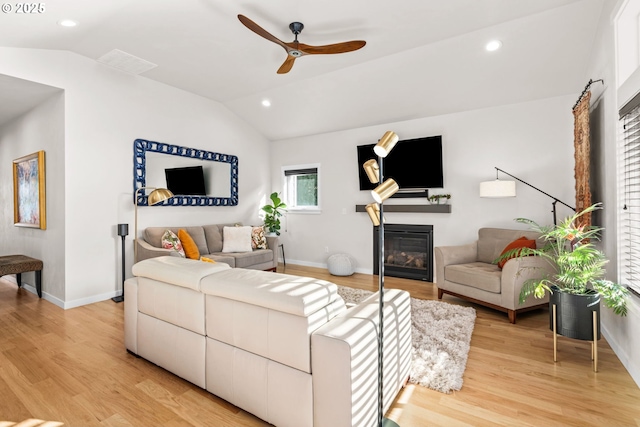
(594, 343)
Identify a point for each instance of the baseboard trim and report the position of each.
(324, 265)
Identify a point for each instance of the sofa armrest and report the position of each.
(145, 251)
(515, 272)
(272, 243)
(448, 255)
(344, 361)
(131, 314)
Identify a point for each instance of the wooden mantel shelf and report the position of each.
(412, 208)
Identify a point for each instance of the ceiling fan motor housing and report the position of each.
(296, 27)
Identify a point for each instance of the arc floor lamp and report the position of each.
(158, 195)
(382, 192)
(498, 188)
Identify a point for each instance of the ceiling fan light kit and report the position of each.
(295, 49)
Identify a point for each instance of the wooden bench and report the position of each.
(18, 264)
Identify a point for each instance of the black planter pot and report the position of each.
(574, 313)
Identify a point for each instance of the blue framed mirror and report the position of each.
(220, 171)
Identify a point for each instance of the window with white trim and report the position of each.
(302, 188)
(629, 194)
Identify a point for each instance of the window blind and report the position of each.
(293, 172)
(629, 195)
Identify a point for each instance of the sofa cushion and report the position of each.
(183, 272)
(153, 236)
(190, 248)
(213, 236)
(171, 241)
(236, 239)
(479, 275)
(491, 241)
(258, 238)
(300, 296)
(520, 243)
(247, 259)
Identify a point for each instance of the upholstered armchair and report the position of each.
(468, 272)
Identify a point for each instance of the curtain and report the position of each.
(582, 157)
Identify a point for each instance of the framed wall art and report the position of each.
(29, 203)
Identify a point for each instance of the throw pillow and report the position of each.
(190, 247)
(258, 238)
(520, 243)
(171, 241)
(236, 239)
(205, 259)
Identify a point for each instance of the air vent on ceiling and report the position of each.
(126, 62)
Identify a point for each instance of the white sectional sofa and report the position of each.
(282, 347)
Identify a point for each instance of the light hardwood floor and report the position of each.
(71, 366)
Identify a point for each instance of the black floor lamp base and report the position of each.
(118, 298)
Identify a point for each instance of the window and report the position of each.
(629, 195)
(302, 188)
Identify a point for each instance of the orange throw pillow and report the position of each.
(522, 242)
(189, 246)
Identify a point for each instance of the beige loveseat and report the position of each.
(209, 239)
(284, 348)
(468, 272)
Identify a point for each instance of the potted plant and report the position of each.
(579, 274)
(437, 199)
(273, 212)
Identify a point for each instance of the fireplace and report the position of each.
(408, 251)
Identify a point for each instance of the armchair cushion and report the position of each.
(520, 243)
(479, 275)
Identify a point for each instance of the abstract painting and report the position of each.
(29, 191)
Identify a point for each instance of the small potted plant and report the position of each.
(579, 274)
(273, 212)
(439, 199)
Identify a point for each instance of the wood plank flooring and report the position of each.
(71, 366)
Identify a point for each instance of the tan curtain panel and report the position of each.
(582, 157)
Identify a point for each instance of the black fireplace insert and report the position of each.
(408, 251)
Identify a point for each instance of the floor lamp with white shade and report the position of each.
(499, 189)
(382, 192)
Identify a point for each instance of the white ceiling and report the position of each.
(422, 58)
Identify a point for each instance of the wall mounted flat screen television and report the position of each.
(413, 164)
(187, 181)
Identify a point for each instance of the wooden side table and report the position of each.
(18, 264)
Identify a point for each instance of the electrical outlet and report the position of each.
(326, 249)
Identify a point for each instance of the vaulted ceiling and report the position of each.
(422, 58)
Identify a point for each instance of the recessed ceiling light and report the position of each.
(493, 45)
(266, 103)
(67, 23)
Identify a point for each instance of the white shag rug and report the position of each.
(441, 335)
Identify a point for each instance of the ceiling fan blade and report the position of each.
(286, 65)
(261, 31)
(332, 48)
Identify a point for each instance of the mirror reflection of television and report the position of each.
(187, 181)
(413, 163)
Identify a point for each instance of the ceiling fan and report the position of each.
(296, 49)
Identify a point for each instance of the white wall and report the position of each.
(623, 334)
(533, 141)
(39, 129)
(105, 110)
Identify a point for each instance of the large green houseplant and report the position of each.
(273, 212)
(578, 262)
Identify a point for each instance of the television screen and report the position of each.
(413, 163)
(187, 181)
